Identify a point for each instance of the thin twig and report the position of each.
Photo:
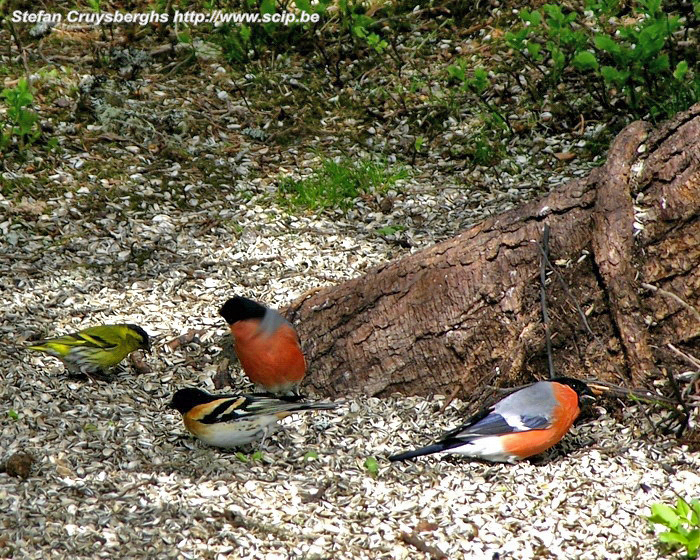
(603, 387)
(674, 297)
(543, 296)
(681, 402)
(418, 543)
(568, 293)
(691, 360)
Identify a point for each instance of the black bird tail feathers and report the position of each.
(427, 450)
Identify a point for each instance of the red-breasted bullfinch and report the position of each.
(266, 345)
(233, 420)
(524, 423)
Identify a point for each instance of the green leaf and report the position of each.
(387, 230)
(257, 455)
(267, 7)
(558, 58)
(651, 7)
(695, 518)
(613, 76)
(89, 428)
(310, 455)
(372, 466)
(606, 43)
(456, 72)
(681, 70)
(241, 457)
(693, 541)
(534, 49)
(661, 513)
(516, 40)
(682, 508)
(480, 81)
(660, 64)
(533, 18)
(359, 31)
(13, 414)
(245, 33)
(585, 60)
(673, 537)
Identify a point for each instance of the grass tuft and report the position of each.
(336, 184)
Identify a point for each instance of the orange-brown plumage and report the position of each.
(527, 444)
(266, 345)
(268, 359)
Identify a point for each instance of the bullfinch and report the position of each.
(266, 345)
(525, 423)
(96, 349)
(233, 420)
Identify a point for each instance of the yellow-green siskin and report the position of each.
(96, 349)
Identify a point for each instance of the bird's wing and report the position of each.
(82, 338)
(496, 424)
(531, 408)
(272, 321)
(233, 408)
(220, 410)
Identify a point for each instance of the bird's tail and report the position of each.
(313, 406)
(427, 450)
(44, 346)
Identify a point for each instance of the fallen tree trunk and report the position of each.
(465, 313)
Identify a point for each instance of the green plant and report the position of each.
(254, 456)
(549, 42)
(476, 83)
(20, 122)
(277, 33)
(390, 230)
(372, 466)
(13, 414)
(683, 523)
(337, 183)
(635, 60)
(257, 456)
(310, 455)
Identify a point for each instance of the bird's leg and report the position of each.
(78, 374)
(267, 430)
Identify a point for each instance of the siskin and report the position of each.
(96, 349)
(233, 420)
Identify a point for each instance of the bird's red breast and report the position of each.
(527, 444)
(272, 360)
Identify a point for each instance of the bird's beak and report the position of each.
(588, 398)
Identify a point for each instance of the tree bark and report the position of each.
(465, 313)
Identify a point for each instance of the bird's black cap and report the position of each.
(239, 309)
(582, 390)
(145, 339)
(189, 397)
